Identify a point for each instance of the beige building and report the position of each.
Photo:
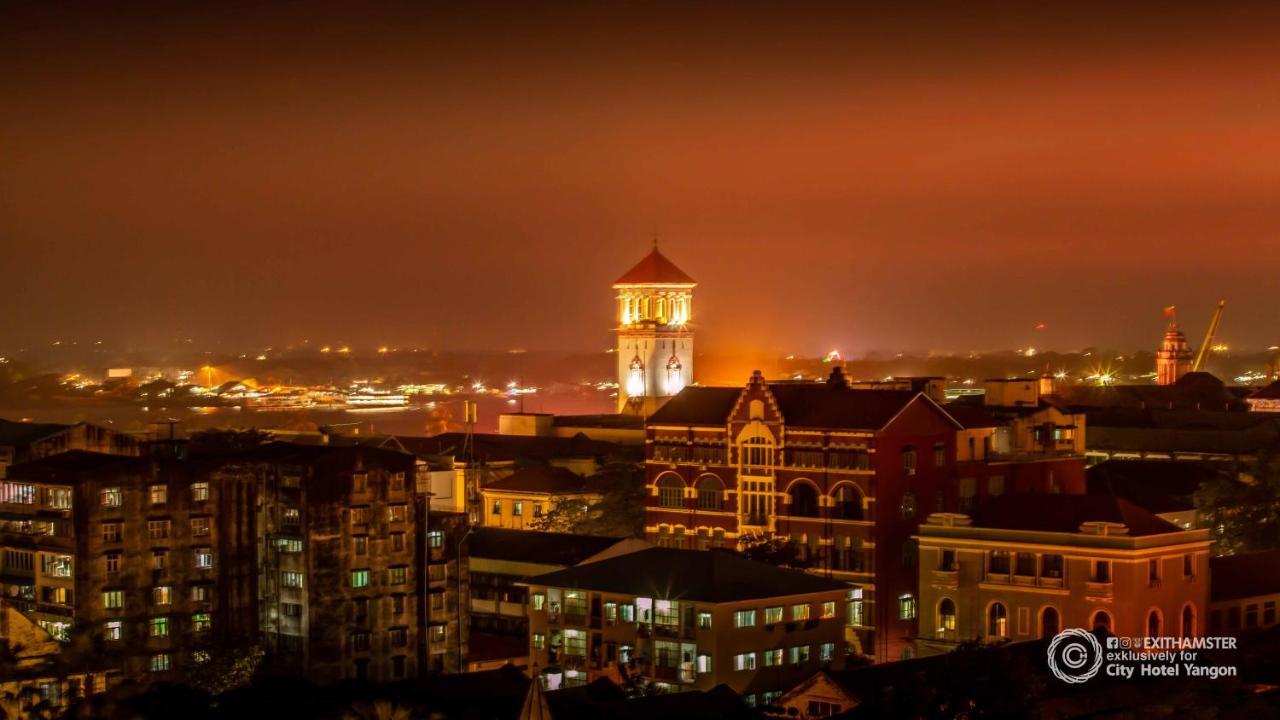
(521, 500)
(1024, 567)
(686, 620)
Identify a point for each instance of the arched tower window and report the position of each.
(635, 378)
(675, 374)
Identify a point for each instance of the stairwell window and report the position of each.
(906, 606)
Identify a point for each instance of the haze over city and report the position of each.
(474, 177)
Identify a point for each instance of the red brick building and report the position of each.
(844, 474)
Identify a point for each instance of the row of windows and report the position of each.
(774, 614)
(160, 595)
(361, 640)
(20, 493)
(360, 543)
(157, 494)
(517, 508)
(157, 626)
(1234, 619)
(202, 559)
(997, 620)
(795, 655)
(360, 482)
(395, 576)
(157, 529)
(395, 513)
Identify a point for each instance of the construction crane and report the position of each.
(1209, 336)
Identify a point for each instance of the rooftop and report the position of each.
(528, 546)
(1066, 513)
(655, 269)
(698, 406)
(1243, 576)
(1159, 486)
(714, 576)
(492, 447)
(24, 433)
(541, 479)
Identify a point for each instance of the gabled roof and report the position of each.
(1247, 575)
(491, 447)
(541, 479)
(698, 406)
(706, 575)
(1270, 392)
(1066, 513)
(655, 269)
(824, 405)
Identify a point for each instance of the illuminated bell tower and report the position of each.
(1174, 357)
(655, 342)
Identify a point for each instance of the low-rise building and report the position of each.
(1245, 592)
(686, 619)
(1024, 567)
(521, 500)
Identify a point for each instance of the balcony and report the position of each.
(1098, 588)
(949, 579)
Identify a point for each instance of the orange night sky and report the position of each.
(475, 177)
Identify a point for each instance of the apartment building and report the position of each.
(1024, 567)
(686, 619)
(136, 551)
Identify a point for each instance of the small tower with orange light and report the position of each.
(1173, 360)
(655, 340)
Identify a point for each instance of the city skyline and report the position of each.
(460, 179)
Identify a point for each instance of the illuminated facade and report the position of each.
(655, 342)
(1025, 567)
(1174, 358)
(843, 475)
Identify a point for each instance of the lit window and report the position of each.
(798, 654)
(497, 507)
(112, 497)
(159, 559)
(538, 600)
(201, 622)
(745, 618)
(906, 607)
(359, 578)
(704, 621)
(159, 626)
(435, 539)
(161, 662)
(829, 609)
(112, 630)
(289, 545)
(204, 558)
(159, 494)
(291, 516)
(826, 652)
(704, 664)
(396, 513)
(772, 657)
(909, 459)
(113, 599)
(772, 615)
(539, 641)
(199, 492)
(744, 661)
(200, 593)
(800, 611)
(291, 579)
(517, 508)
(161, 595)
(200, 526)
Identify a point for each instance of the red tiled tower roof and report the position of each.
(655, 269)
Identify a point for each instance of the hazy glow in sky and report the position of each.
(833, 177)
